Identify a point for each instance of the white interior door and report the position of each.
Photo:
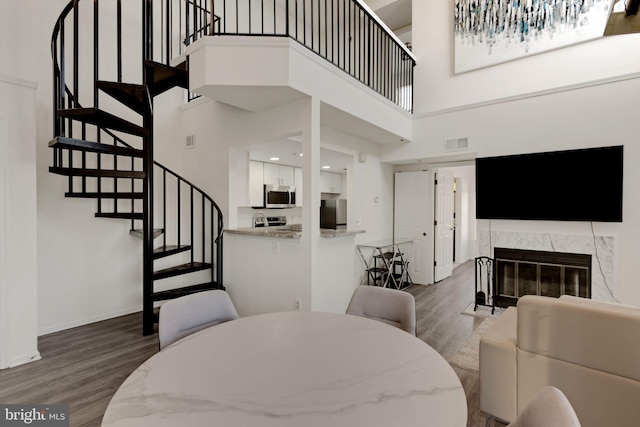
(443, 250)
(412, 196)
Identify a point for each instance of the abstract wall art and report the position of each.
(489, 32)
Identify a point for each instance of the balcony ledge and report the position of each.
(257, 73)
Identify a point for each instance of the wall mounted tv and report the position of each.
(574, 185)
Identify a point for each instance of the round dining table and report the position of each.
(300, 369)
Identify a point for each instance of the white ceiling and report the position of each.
(395, 13)
(251, 98)
(288, 151)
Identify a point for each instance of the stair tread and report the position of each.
(167, 250)
(132, 95)
(186, 290)
(104, 195)
(94, 147)
(138, 232)
(162, 77)
(108, 173)
(120, 215)
(99, 117)
(180, 269)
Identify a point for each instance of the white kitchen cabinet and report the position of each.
(297, 182)
(330, 182)
(287, 175)
(278, 174)
(256, 183)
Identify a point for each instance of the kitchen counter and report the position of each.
(328, 233)
(288, 233)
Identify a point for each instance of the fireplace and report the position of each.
(521, 272)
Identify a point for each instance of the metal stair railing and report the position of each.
(203, 216)
(346, 33)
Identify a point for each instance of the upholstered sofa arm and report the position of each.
(498, 381)
(601, 336)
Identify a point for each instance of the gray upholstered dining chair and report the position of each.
(391, 306)
(549, 407)
(188, 314)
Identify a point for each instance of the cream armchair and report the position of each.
(590, 350)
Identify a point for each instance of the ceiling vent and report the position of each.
(459, 144)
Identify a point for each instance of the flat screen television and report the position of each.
(573, 185)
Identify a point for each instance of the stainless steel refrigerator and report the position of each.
(333, 214)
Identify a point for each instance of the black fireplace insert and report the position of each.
(521, 272)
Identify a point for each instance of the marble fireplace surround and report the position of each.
(602, 277)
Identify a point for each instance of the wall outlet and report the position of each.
(296, 304)
(276, 248)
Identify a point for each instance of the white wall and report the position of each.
(18, 223)
(17, 59)
(589, 117)
(249, 263)
(88, 269)
(370, 205)
(220, 127)
(335, 282)
(367, 181)
(519, 107)
(262, 279)
(437, 88)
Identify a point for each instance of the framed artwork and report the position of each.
(490, 32)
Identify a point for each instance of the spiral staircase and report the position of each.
(107, 152)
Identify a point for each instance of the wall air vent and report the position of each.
(190, 141)
(459, 144)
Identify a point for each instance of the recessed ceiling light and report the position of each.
(326, 167)
(301, 154)
(274, 159)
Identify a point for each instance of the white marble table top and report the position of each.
(300, 369)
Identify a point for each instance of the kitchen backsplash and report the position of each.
(245, 215)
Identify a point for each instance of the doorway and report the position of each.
(454, 218)
(415, 217)
(412, 200)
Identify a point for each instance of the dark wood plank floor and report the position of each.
(84, 366)
(441, 325)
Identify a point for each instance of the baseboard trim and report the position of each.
(22, 359)
(16, 81)
(81, 322)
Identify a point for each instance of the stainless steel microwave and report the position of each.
(279, 196)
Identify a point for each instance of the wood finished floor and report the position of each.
(84, 366)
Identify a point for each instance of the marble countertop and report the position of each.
(293, 369)
(286, 233)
